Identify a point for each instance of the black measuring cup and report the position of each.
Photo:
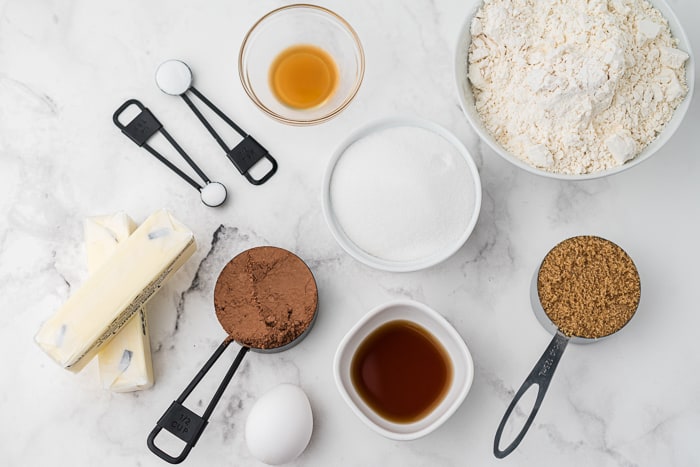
(543, 371)
(183, 422)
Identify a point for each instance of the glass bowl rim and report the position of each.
(294, 121)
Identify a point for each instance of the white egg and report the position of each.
(279, 425)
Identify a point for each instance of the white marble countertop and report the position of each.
(66, 66)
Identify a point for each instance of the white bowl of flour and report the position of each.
(572, 103)
(401, 194)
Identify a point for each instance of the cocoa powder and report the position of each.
(265, 297)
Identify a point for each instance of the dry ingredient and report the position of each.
(265, 297)
(588, 286)
(401, 194)
(572, 86)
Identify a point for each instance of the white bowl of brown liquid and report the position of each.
(403, 370)
(301, 64)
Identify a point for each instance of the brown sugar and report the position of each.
(588, 286)
(265, 297)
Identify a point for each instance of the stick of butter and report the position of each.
(125, 362)
(140, 265)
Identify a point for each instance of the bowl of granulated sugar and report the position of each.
(401, 194)
(572, 99)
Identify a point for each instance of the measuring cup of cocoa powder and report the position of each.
(266, 300)
(586, 288)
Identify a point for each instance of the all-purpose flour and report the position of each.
(574, 86)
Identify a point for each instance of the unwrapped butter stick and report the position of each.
(139, 266)
(125, 361)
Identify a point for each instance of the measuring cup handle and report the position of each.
(184, 423)
(541, 375)
(162, 454)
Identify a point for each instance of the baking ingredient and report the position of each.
(139, 267)
(279, 425)
(401, 371)
(303, 76)
(213, 194)
(265, 297)
(402, 193)
(588, 286)
(574, 87)
(174, 77)
(125, 361)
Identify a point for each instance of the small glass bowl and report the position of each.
(294, 25)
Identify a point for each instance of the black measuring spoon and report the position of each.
(235, 302)
(144, 126)
(174, 78)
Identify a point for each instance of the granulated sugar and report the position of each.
(574, 86)
(402, 193)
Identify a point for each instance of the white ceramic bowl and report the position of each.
(462, 368)
(466, 99)
(472, 174)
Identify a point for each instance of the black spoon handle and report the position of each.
(184, 423)
(541, 375)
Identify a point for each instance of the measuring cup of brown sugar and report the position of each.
(586, 289)
(266, 300)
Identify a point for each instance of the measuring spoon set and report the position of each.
(174, 77)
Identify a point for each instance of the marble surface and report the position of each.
(65, 67)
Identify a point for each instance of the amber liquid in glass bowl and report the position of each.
(303, 76)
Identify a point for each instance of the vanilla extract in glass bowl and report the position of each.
(301, 64)
(303, 76)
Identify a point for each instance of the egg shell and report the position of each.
(279, 425)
